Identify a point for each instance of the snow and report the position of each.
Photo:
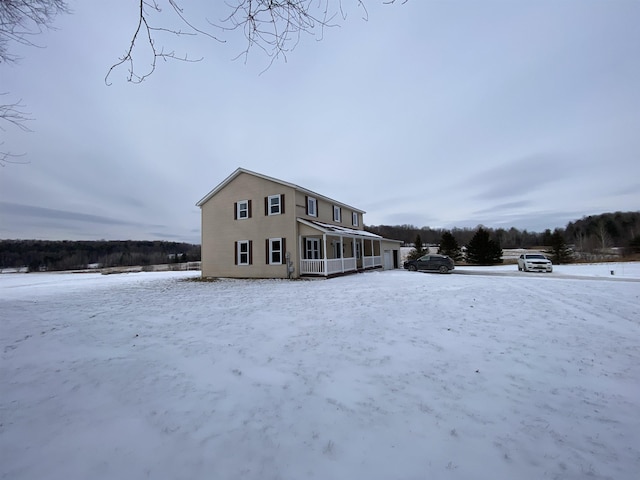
(487, 373)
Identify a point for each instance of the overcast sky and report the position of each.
(433, 113)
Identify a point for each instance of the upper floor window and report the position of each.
(337, 214)
(274, 204)
(312, 207)
(242, 209)
(354, 219)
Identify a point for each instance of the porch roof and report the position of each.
(340, 230)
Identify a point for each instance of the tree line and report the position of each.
(590, 235)
(70, 255)
(594, 234)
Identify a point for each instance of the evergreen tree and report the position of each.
(449, 246)
(417, 251)
(482, 250)
(560, 252)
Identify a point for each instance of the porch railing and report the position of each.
(371, 262)
(332, 266)
(312, 267)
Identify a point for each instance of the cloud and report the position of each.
(633, 189)
(493, 113)
(520, 177)
(504, 206)
(57, 224)
(15, 209)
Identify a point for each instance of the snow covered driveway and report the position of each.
(383, 375)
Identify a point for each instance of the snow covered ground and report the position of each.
(487, 373)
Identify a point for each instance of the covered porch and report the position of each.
(327, 250)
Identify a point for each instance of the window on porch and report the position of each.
(312, 249)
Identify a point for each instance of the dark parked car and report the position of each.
(431, 263)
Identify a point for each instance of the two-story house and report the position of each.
(255, 226)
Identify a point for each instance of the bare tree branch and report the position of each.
(276, 27)
(7, 158)
(273, 26)
(145, 32)
(13, 114)
(20, 20)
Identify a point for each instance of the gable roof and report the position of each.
(238, 171)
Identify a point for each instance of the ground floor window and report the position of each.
(312, 249)
(275, 251)
(243, 252)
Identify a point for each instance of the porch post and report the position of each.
(353, 251)
(341, 254)
(300, 254)
(324, 253)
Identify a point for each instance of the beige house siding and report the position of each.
(222, 230)
(325, 211)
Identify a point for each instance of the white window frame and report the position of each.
(273, 250)
(247, 244)
(242, 207)
(312, 207)
(277, 204)
(337, 214)
(354, 219)
(312, 249)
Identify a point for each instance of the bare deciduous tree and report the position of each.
(273, 26)
(20, 21)
(13, 114)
